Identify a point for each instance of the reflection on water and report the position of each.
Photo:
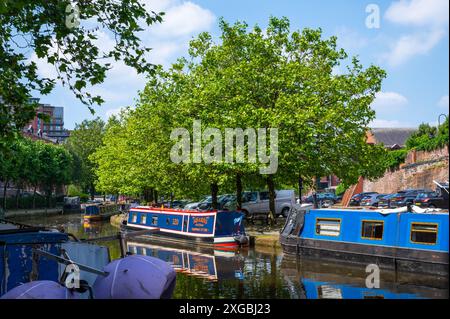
(250, 273)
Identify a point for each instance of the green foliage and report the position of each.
(274, 79)
(36, 164)
(41, 26)
(395, 158)
(429, 138)
(84, 140)
(340, 189)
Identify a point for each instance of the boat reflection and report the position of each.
(92, 228)
(209, 264)
(313, 279)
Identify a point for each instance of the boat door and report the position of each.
(185, 223)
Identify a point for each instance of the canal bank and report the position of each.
(33, 212)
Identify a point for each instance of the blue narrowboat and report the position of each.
(100, 211)
(20, 264)
(218, 228)
(402, 241)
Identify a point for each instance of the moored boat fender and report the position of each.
(136, 277)
(41, 289)
(241, 239)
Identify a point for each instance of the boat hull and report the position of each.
(391, 258)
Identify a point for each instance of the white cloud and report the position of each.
(388, 102)
(408, 46)
(430, 17)
(443, 102)
(388, 123)
(183, 19)
(418, 12)
(112, 112)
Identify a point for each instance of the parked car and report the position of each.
(174, 204)
(323, 199)
(356, 199)
(406, 197)
(257, 203)
(372, 200)
(437, 199)
(194, 205)
(222, 200)
(385, 202)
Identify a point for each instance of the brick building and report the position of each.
(54, 129)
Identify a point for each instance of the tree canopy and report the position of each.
(84, 140)
(249, 79)
(66, 37)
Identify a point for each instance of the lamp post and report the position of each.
(439, 118)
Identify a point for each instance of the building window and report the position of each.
(134, 218)
(424, 233)
(372, 229)
(144, 219)
(154, 220)
(328, 226)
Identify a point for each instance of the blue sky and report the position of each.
(411, 44)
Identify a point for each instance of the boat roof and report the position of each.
(173, 210)
(414, 210)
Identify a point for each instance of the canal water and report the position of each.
(253, 272)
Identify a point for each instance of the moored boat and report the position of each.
(100, 211)
(223, 229)
(412, 240)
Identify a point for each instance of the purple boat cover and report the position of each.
(136, 277)
(41, 289)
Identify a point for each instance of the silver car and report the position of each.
(257, 203)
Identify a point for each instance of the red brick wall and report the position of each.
(416, 173)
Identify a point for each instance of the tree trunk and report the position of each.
(150, 195)
(34, 197)
(300, 189)
(4, 194)
(316, 187)
(17, 197)
(271, 187)
(92, 191)
(239, 190)
(214, 191)
(156, 196)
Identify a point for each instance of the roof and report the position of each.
(392, 136)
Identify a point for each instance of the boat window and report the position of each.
(372, 229)
(328, 226)
(154, 220)
(424, 233)
(143, 219)
(168, 221)
(329, 292)
(175, 221)
(134, 218)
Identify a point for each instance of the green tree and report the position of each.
(250, 79)
(84, 140)
(52, 29)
